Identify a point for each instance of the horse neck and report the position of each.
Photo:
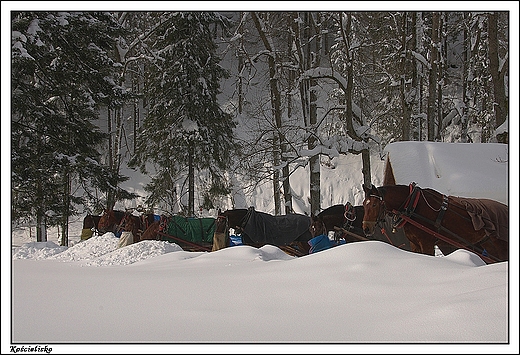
(119, 215)
(360, 213)
(395, 196)
(221, 224)
(333, 210)
(235, 217)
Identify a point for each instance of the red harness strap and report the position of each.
(410, 204)
(162, 223)
(446, 239)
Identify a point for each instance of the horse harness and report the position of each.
(226, 226)
(406, 211)
(163, 223)
(349, 215)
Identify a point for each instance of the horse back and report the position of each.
(91, 222)
(489, 215)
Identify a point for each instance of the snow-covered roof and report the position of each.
(478, 170)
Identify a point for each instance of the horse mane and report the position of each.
(331, 210)
(226, 212)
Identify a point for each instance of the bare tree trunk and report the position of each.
(191, 184)
(418, 71)
(65, 216)
(440, 67)
(465, 84)
(136, 112)
(41, 225)
(287, 192)
(276, 106)
(241, 66)
(315, 173)
(405, 133)
(41, 228)
(111, 199)
(497, 74)
(365, 154)
(432, 93)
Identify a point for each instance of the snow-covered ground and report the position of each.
(342, 299)
(153, 292)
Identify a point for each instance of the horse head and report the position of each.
(232, 218)
(317, 226)
(374, 207)
(106, 221)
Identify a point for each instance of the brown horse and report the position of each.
(346, 221)
(430, 218)
(137, 224)
(131, 223)
(110, 220)
(152, 232)
(116, 221)
(221, 234)
(90, 225)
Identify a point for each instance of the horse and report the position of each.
(110, 220)
(221, 234)
(340, 218)
(153, 230)
(190, 233)
(136, 224)
(131, 223)
(430, 218)
(346, 223)
(258, 229)
(90, 225)
(225, 220)
(232, 218)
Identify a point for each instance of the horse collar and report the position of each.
(350, 213)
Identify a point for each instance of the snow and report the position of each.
(243, 299)
(457, 169)
(358, 292)
(93, 297)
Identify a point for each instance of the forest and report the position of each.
(186, 97)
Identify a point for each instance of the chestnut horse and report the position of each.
(110, 220)
(137, 224)
(116, 221)
(152, 232)
(430, 218)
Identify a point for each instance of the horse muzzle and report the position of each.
(368, 227)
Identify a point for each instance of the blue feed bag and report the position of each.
(319, 243)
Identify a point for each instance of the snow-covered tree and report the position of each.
(61, 74)
(186, 134)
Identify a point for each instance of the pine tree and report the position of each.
(61, 74)
(185, 129)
